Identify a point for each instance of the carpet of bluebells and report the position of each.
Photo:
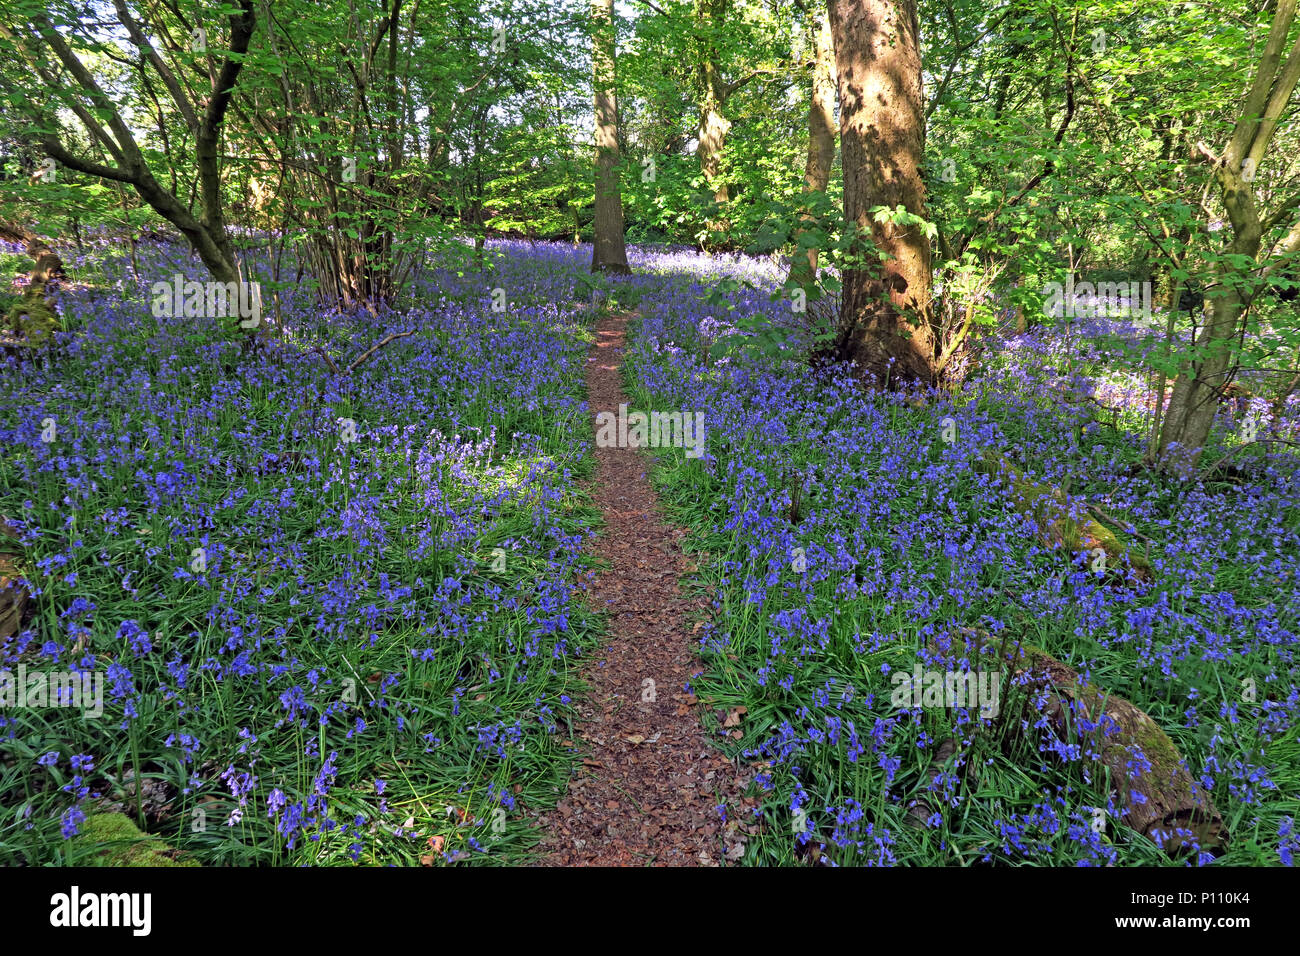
(376, 661)
(333, 611)
(896, 542)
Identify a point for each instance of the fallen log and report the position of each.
(1157, 794)
(1160, 798)
(1050, 509)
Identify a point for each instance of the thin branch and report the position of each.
(1257, 441)
(1049, 165)
(328, 361)
(142, 44)
(124, 148)
(664, 13)
(366, 355)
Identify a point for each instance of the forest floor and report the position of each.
(408, 615)
(650, 786)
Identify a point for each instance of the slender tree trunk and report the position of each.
(1195, 399)
(886, 311)
(608, 252)
(821, 145)
(714, 126)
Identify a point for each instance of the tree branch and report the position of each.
(55, 149)
(372, 351)
(1257, 441)
(142, 44)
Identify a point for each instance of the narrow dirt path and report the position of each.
(648, 789)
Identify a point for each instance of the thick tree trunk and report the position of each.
(211, 244)
(1195, 399)
(886, 311)
(608, 251)
(712, 135)
(821, 145)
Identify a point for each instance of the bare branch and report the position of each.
(372, 351)
(1257, 441)
(169, 79)
(328, 361)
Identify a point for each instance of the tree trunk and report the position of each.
(105, 125)
(711, 133)
(821, 146)
(1195, 399)
(886, 312)
(608, 252)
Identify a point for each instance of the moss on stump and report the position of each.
(32, 318)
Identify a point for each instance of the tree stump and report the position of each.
(31, 320)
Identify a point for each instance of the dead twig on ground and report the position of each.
(1258, 441)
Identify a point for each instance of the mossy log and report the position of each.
(1050, 509)
(1157, 794)
(115, 841)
